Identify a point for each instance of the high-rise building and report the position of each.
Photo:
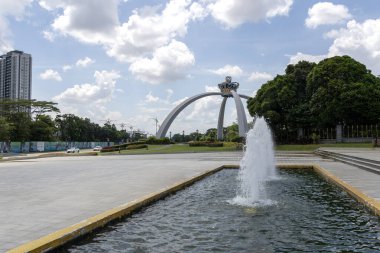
(16, 75)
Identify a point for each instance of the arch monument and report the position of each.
(227, 89)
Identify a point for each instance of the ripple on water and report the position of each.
(306, 214)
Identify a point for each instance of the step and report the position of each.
(365, 164)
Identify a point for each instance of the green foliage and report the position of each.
(342, 90)
(336, 90)
(123, 146)
(153, 140)
(137, 146)
(5, 129)
(21, 122)
(74, 128)
(10, 106)
(205, 144)
(43, 128)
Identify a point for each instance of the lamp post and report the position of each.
(156, 120)
(197, 135)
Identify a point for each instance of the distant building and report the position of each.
(16, 75)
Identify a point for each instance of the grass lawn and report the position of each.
(229, 146)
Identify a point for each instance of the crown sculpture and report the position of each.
(227, 90)
(227, 86)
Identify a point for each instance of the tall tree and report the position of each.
(337, 90)
(43, 128)
(343, 90)
(283, 101)
(5, 129)
(9, 106)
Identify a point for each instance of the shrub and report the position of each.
(205, 144)
(137, 146)
(161, 141)
(123, 146)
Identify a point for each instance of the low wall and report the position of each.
(43, 146)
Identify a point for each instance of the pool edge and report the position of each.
(65, 235)
(372, 204)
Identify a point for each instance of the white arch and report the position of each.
(242, 119)
(221, 119)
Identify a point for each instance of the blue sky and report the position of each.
(131, 61)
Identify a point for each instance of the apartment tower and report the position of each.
(16, 75)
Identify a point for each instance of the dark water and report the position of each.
(310, 215)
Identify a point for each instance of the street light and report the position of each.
(156, 120)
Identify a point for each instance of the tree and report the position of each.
(343, 90)
(43, 128)
(9, 106)
(18, 113)
(21, 122)
(232, 132)
(337, 90)
(210, 134)
(283, 101)
(5, 129)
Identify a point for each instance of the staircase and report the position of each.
(362, 163)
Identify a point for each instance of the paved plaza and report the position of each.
(41, 196)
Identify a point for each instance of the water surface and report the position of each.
(310, 215)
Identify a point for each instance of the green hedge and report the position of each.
(123, 146)
(137, 146)
(160, 141)
(205, 144)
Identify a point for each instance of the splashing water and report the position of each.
(256, 167)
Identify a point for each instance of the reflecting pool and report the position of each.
(306, 214)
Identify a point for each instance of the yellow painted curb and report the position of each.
(65, 235)
(370, 203)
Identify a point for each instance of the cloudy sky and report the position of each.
(133, 60)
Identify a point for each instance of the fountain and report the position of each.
(309, 215)
(256, 167)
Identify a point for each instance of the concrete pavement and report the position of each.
(40, 196)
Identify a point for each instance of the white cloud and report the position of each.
(206, 108)
(260, 77)
(169, 94)
(147, 29)
(168, 63)
(89, 21)
(149, 98)
(228, 70)
(148, 32)
(233, 13)
(10, 8)
(212, 88)
(50, 74)
(66, 67)
(84, 62)
(179, 101)
(48, 35)
(360, 41)
(100, 92)
(326, 13)
(294, 59)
